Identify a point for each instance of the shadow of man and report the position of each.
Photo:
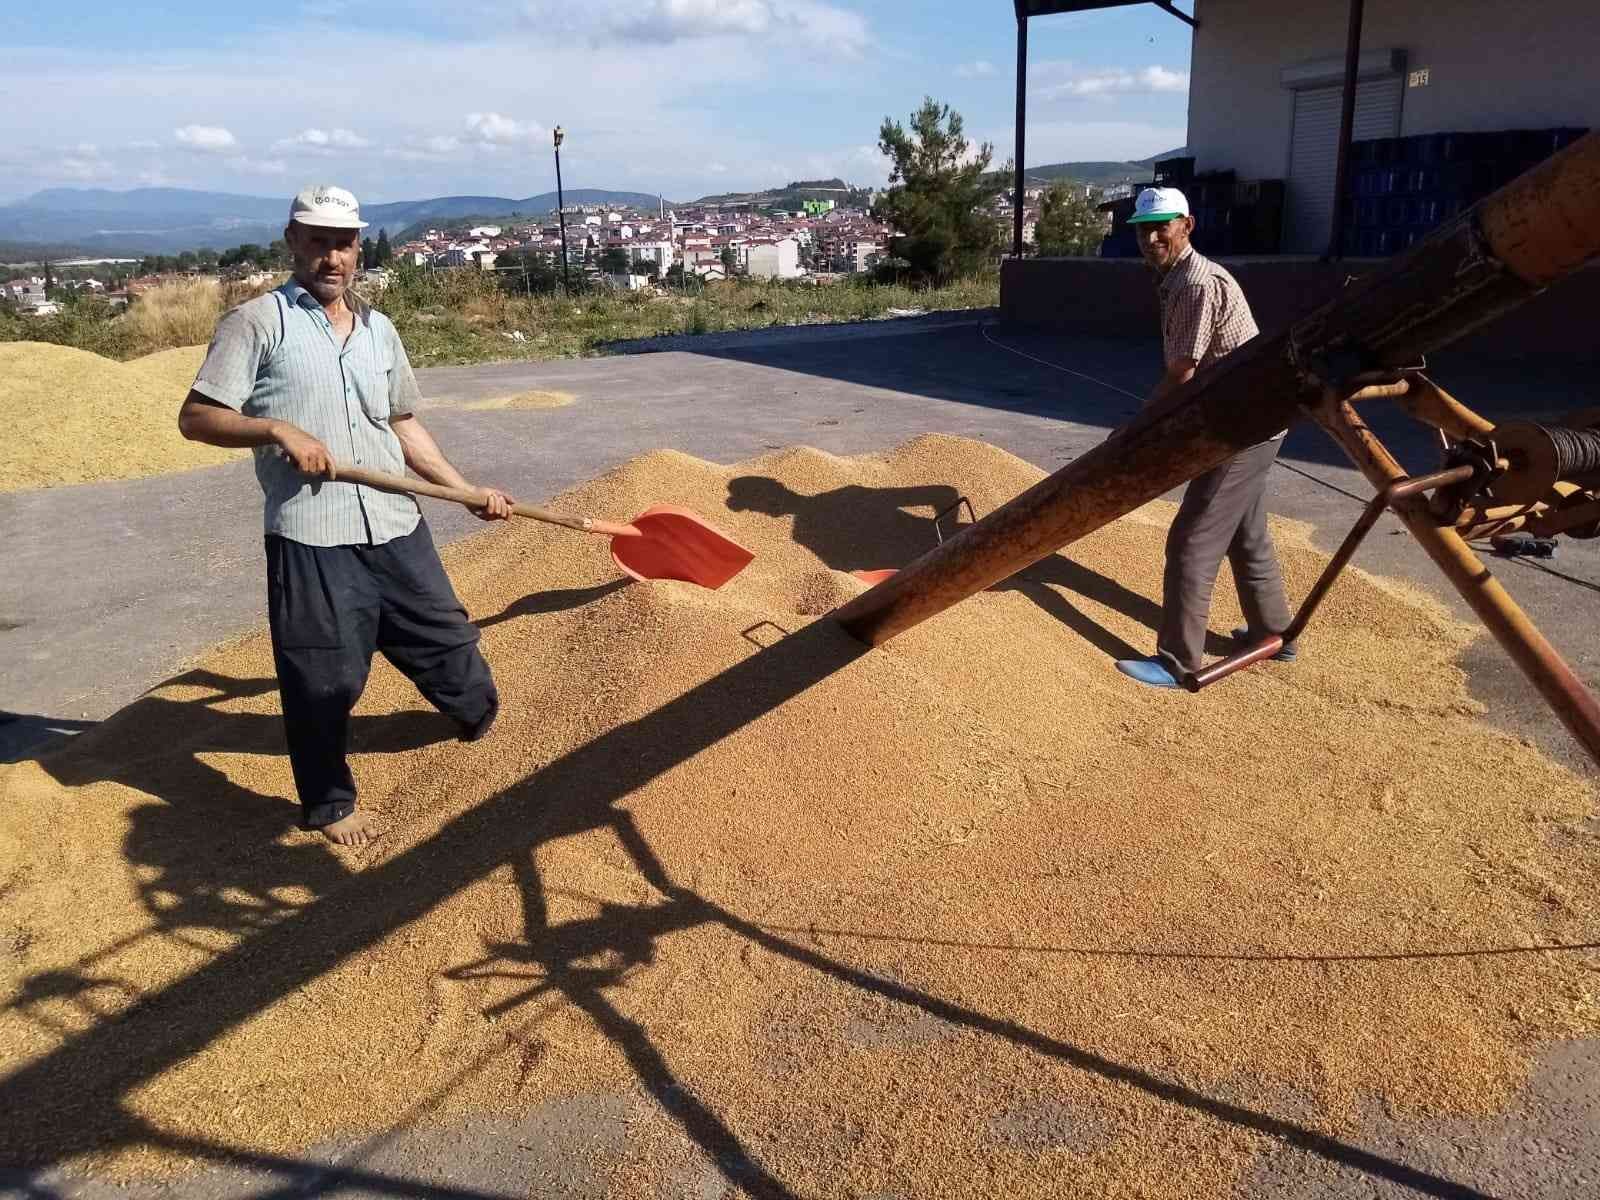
(206, 852)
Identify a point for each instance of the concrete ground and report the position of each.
(110, 588)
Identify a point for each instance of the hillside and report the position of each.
(1097, 173)
(792, 194)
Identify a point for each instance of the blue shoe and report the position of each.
(1243, 639)
(1152, 671)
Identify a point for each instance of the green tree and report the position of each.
(369, 254)
(1069, 223)
(615, 262)
(384, 251)
(936, 190)
(522, 272)
(730, 259)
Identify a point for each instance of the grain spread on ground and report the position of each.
(968, 915)
(75, 417)
(534, 399)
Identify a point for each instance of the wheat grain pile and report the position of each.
(75, 417)
(534, 399)
(968, 915)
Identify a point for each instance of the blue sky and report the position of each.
(416, 98)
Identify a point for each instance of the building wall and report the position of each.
(781, 260)
(1491, 64)
(1117, 298)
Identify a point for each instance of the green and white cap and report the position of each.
(1159, 204)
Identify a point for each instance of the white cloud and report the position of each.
(144, 144)
(667, 124)
(84, 165)
(1115, 81)
(258, 166)
(662, 22)
(981, 69)
(210, 139)
(322, 141)
(492, 129)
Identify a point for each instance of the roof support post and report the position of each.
(1022, 132)
(1347, 125)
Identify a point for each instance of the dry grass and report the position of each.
(183, 312)
(447, 317)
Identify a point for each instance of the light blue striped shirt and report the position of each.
(278, 357)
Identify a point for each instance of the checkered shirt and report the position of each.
(1204, 315)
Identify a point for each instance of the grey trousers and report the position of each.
(1224, 512)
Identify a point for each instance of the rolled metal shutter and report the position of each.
(1314, 153)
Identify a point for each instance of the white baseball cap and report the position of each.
(1159, 204)
(327, 206)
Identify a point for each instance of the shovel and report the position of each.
(662, 542)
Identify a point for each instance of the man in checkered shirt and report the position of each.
(1204, 318)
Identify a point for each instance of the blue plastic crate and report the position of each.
(1421, 179)
(1428, 211)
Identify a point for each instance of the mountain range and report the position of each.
(169, 220)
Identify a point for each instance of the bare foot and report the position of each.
(355, 830)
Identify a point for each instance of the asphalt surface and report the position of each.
(110, 588)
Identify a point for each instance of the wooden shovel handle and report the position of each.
(473, 498)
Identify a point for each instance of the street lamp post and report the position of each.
(561, 215)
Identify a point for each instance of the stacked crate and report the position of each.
(1232, 216)
(1400, 189)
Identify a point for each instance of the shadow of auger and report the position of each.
(72, 1100)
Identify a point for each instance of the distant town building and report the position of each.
(777, 260)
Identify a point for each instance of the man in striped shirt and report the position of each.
(1204, 317)
(310, 375)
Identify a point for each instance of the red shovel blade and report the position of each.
(674, 543)
(875, 577)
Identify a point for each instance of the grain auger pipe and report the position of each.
(1362, 346)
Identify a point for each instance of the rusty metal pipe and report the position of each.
(1573, 703)
(1400, 490)
(1432, 405)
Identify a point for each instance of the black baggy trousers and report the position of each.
(330, 607)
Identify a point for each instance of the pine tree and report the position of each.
(369, 254)
(936, 191)
(384, 251)
(1069, 223)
